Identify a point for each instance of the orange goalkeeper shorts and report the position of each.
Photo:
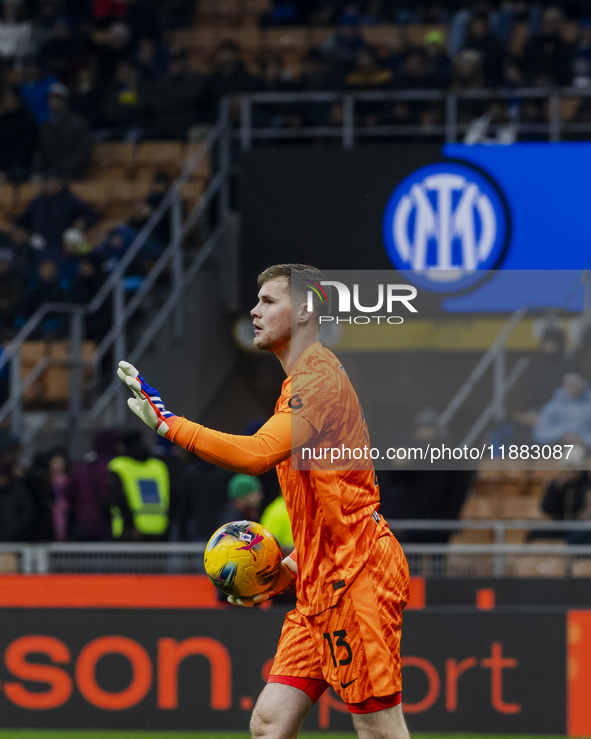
(355, 645)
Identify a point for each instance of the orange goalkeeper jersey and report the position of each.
(332, 504)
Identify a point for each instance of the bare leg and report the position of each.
(279, 712)
(386, 724)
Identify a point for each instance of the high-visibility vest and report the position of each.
(147, 489)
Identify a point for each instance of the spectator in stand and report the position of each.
(481, 39)
(542, 375)
(84, 288)
(47, 288)
(566, 418)
(24, 256)
(151, 57)
(176, 101)
(104, 11)
(16, 33)
(18, 137)
(117, 46)
(229, 76)
(62, 54)
(12, 292)
(582, 56)
(494, 127)
(318, 76)
(438, 62)
(88, 96)
(547, 58)
(565, 495)
(16, 504)
(468, 75)
(54, 210)
(341, 49)
(277, 78)
(423, 493)
(369, 74)
(162, 231)
(35, 88)
(245, 496)
(140, 492)
(127, 98)
(48, 13)
(65, 140)
(88, 491)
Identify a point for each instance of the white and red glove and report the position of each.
(285, 578)
(146, 403)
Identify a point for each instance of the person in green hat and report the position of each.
(245, 495)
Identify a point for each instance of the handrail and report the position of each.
(113, 286)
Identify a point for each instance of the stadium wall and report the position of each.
(157, 652)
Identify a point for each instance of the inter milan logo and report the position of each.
(444, 222)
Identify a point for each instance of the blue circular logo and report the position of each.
(447, 224)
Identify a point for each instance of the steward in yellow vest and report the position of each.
(141, 493)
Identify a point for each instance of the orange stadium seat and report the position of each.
(517, 39)
(293, 39)
(94, 192)
(531, 566)
(472, 536)
(480, 507)
(521, 507)
(248, 39)
(581, 568)
(191, 193)
(415, 35)
(384, 38)
(203, 170)
(8, 201)
(124, 197)
(154, 156)
(319, 35)
(114, 159)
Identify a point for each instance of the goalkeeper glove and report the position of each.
(285, 578)
(146, 402)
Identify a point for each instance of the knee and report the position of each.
(263, 724)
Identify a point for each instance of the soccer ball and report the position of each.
(242, 559)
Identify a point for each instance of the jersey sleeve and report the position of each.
(251, 455)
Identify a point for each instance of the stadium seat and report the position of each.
(521, 508)
(123, 197)
(203, 170)
(94, 192)
(52, 387)
(191, 193)
(113, 160)
(478, 507)
(319, 35)
(472, 536)
(293, 39)
(7, 201)
(155, 156)
(530, 566)
(8, 562)
(385, 38)
(581, 568)
(517, 39)
(415, 35)
(25, 193)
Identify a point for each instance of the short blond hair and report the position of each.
(298, 277)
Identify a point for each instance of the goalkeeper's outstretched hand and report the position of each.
(285, 578)
(146, 402)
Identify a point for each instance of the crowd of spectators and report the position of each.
(54, 498)
(76, 72)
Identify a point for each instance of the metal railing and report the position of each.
(496, 558)
(450, 130)
(218, 143)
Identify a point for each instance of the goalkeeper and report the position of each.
(350, 572)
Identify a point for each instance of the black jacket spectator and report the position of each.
(126, 102)
(492, 52)
(88, 96)
(84, 288)
(16, 507)
(12, 290)
(230, 76)
(65, 140)
(176, 100)
(547, 58)
(55, 210)
(18, 136)
(47, 288)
